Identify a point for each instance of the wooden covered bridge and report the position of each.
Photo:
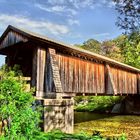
(59, 71)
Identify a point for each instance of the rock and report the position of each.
(116, 108)
(130, 105)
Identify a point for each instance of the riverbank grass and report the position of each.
(96, 103)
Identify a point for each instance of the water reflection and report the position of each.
(89, 116)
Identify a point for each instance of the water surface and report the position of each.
(108, 124)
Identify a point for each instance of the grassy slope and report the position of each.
(96, 103)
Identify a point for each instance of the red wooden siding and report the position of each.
(125, 82)
(80, 76)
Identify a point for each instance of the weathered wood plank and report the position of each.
(97, 79)
(138, 84)
(55, 72)
(38, 70)
(34, 67)
(49, 84)
(80, 76)
(41, 61)
(135, 84)
(120, 82)
(12, 38)
(89, 77)
(111, 88)
(103, 79)
(131, 83)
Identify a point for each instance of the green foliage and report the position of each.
(111, 50)
(96, 103)
(91, 45)
(131, 49)
(119, 41)
(129, 20)
(124, 48)
(108, 48)
(58, 135)
(16, 106)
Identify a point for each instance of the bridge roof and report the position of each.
(30, 35)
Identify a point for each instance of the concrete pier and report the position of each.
(58, 114)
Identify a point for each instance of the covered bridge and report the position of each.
(59, 71)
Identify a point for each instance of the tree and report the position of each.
(16, 107)
(111, 50)
(119, 41)
(91, 45)
(107, 47)
(131, 50)
(129, 15)
(129, 20)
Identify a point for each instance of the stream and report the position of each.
(107, 125)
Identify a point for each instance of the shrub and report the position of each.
(16, 106)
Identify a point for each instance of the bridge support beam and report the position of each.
(58, 114)
(55, 76)
(38, 70)
(110, 88)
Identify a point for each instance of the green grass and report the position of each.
(58, 135)
(96, 103)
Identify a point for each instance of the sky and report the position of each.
(69, 21)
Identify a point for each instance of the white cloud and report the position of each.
(51, 9)
(77, 3)
(55, 2)
(35, 25)
(71, 7)
(65, 7)
(57, 9)
(108, 3)
(73, 21)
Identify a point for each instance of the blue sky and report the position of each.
(70, 21)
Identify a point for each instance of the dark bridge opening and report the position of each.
(21, 55)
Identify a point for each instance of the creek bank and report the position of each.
(123, 105)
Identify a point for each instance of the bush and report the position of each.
(16, 106)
